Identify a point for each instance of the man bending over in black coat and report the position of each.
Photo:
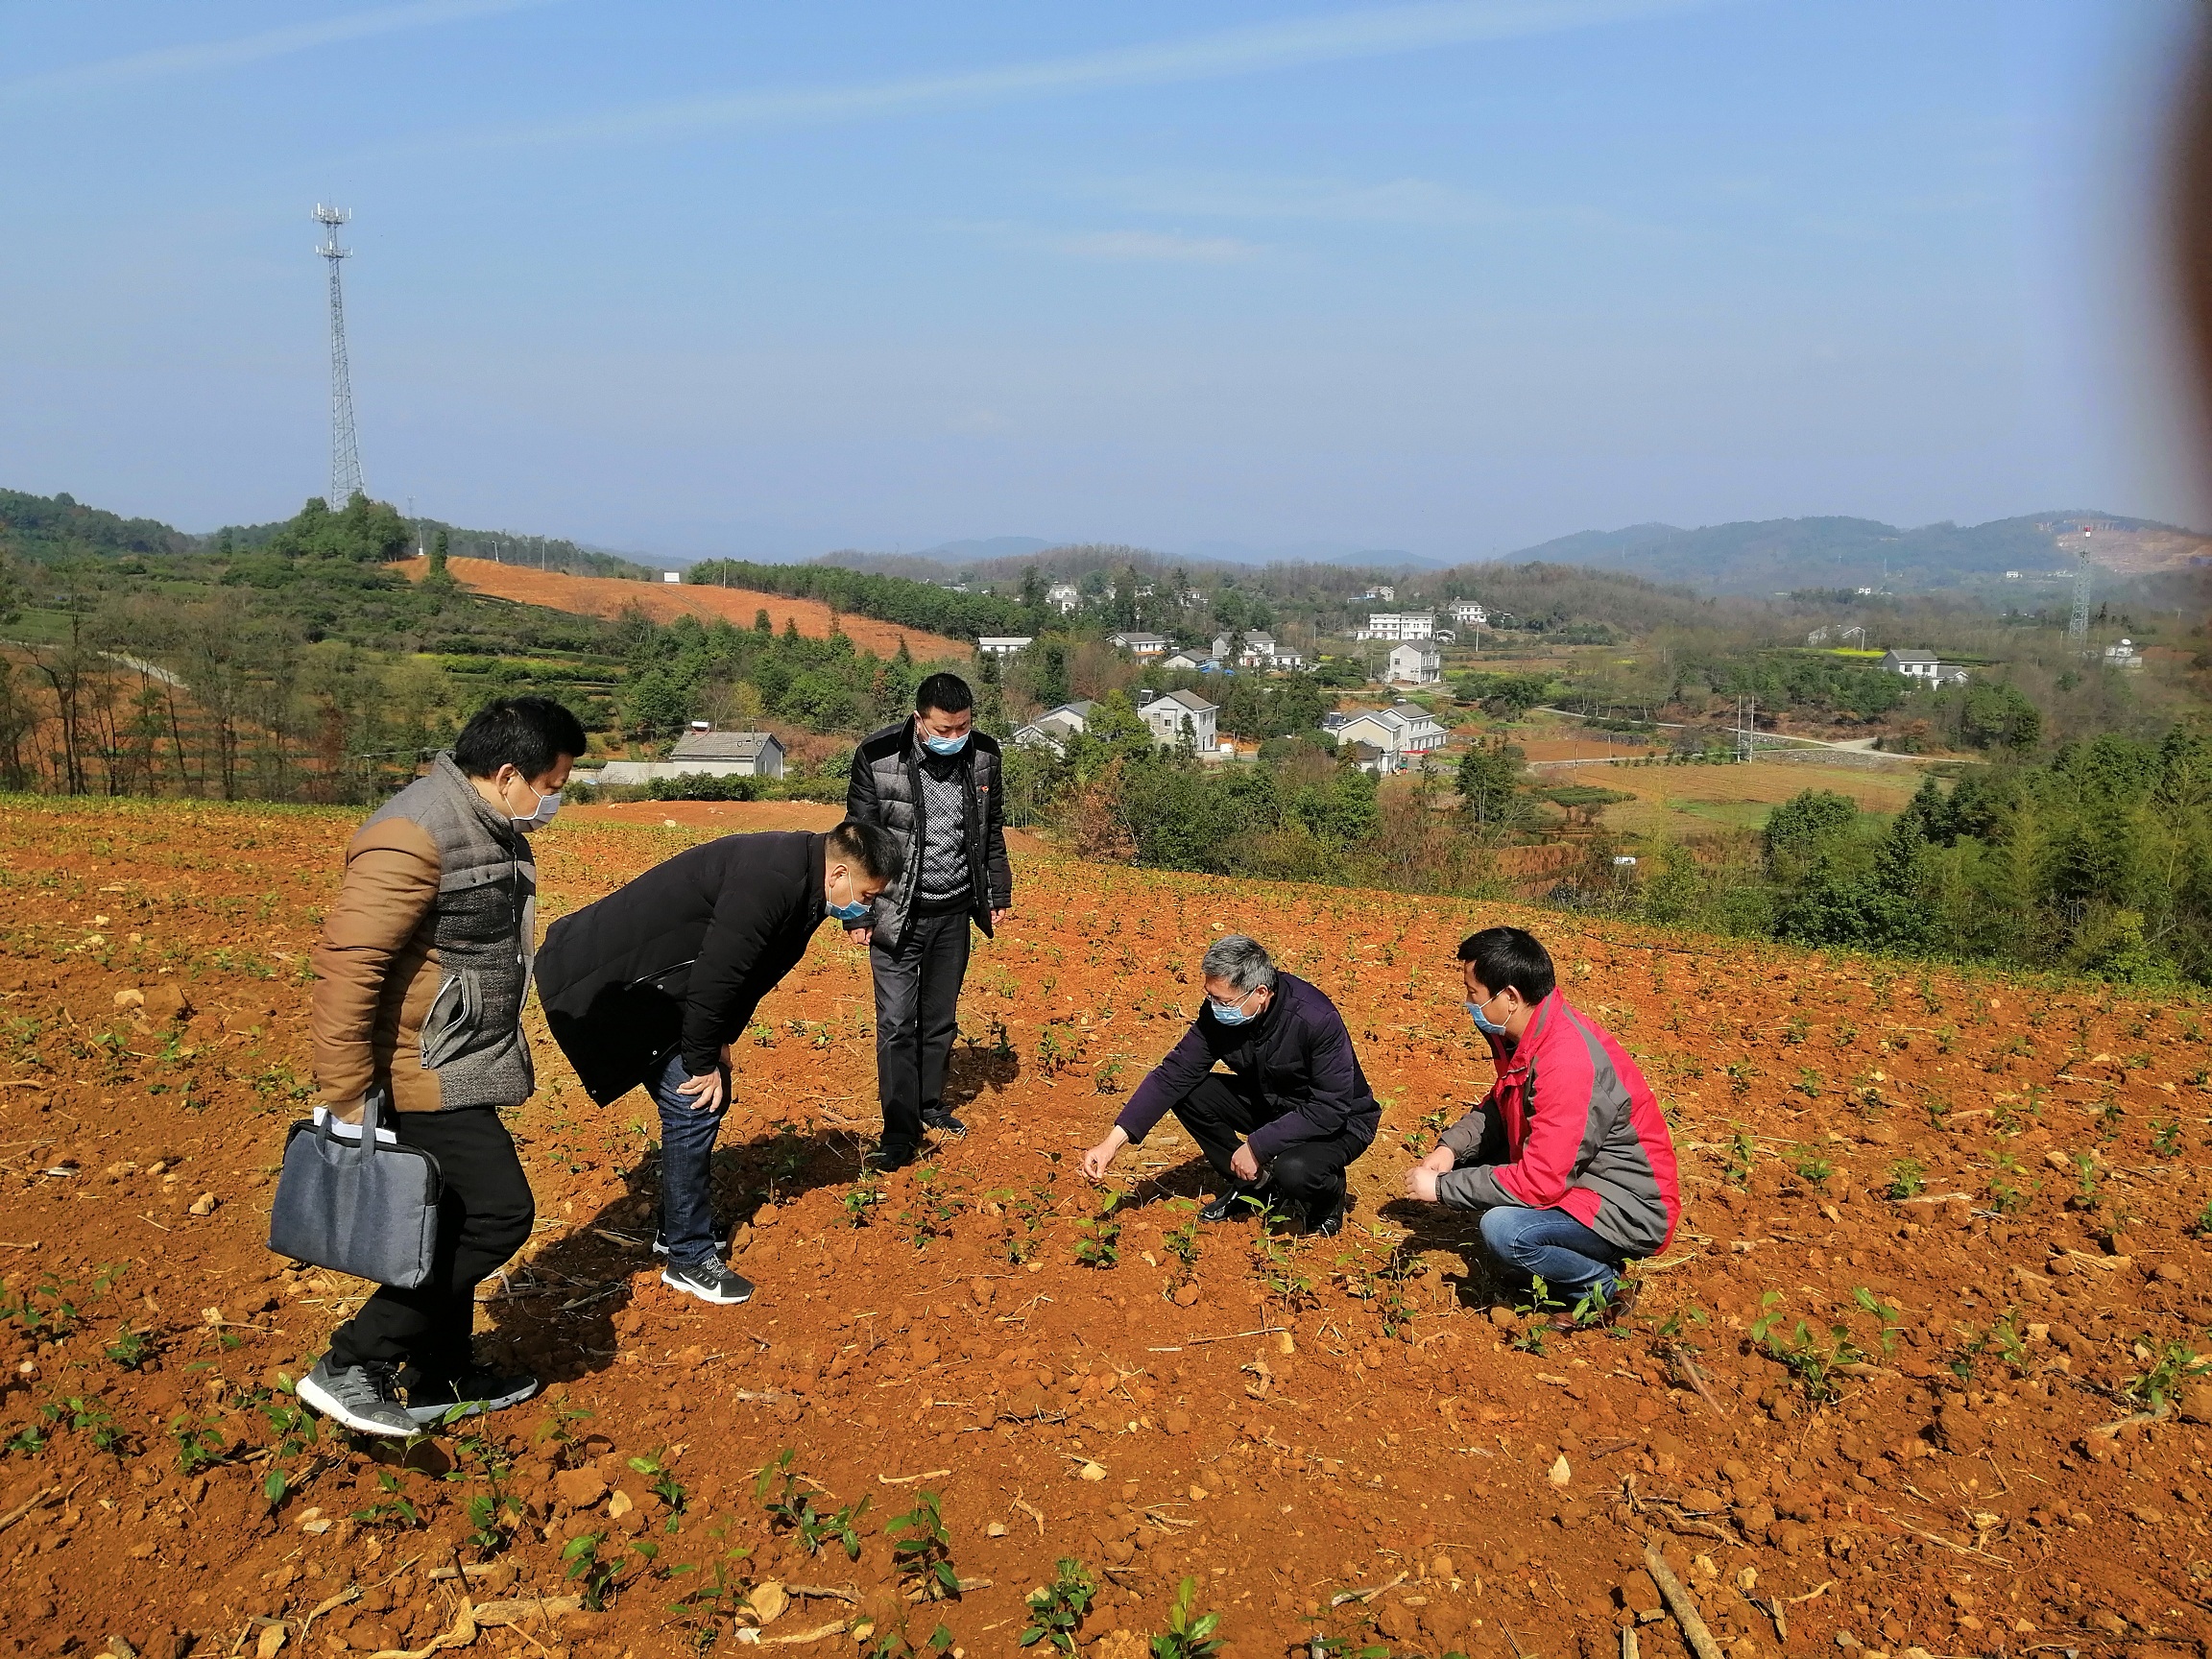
(1298, 1098)
(652, 983)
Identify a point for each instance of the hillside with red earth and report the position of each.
(1917, 1376)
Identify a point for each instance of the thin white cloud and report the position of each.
(213, 56)
(1256, 49)
(1155, 246)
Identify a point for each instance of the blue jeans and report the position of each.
(1550, 1244)
(686, 1165)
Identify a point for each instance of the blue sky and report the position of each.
(1450, 276)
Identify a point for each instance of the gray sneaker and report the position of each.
(471, 1393)
(365, 1398)
(709, 1282)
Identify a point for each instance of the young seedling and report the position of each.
(132, 1348)
(1057, 1610)
(1882, 1311)
(1742, 1154)
(393, 1509)
(1189, 1634)
(862, 1196)
(922, 1551)
(1812, 1167)
(1098, 1239)
(2166, 1138)
(1907, 1178)
(663, 1484)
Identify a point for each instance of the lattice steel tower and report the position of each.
(345, 455)
(2077, 624)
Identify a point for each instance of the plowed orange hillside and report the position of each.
(665, 602)
(1921, 1372)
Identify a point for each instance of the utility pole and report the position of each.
(345, 454)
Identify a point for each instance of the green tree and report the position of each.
(1491, 776)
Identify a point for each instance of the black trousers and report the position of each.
(1219, 1113)
(916, 1015)
(483, 1219)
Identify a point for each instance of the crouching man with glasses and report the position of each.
(1296, 1111)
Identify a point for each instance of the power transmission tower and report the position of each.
(344, 456)
(1747, 727)
(2078, 626)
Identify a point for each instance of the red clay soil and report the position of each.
(1915, 1374)
(665, 601)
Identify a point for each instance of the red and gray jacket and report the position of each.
(1569, 1125)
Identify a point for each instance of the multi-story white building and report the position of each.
(1469, 611)
(1062, 596)
(1179, 715)
(1139, 645)
(1004, 644)
(1383, 592)
(1396, 625)
(1414, 664)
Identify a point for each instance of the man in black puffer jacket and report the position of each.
(932, 782)
(652, 984)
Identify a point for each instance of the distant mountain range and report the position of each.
(1778, 555)
(1754, 556)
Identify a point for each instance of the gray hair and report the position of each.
(1239, 959)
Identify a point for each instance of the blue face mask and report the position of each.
(1483, 1022)
(850, 913)
(945, 745)
(1229, 1013)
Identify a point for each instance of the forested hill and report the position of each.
(1779, 555)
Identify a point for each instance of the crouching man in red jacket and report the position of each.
(1567, 1158)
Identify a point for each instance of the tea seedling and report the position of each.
(1189, 1635)
(1098, 1239)
(1740, 1076)
(88, 1418)
(393, 1509)
(1907, 1178)
(561, 1426)
(2166, 1138)
(296, 1432)
(930, 1216)
(663, 1484)
(1812, 1167)
(1279, 1270)
(1742, 1153)
(862, 1196)
(1057, 1610)
(1813, 1361)
(1808, 1083)
(132, 1348)
(2090, 1181)
(1107, 1079)
(2170, 1366)
(2005, 1189)
(790, 1510)
(922, 1549)
(1881, 1311)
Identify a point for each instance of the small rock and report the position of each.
(997, 1529)
(2197, 1403)
(1186, 1293)
(1442, 1568)
(580, 1488)
(271, 1642)
(768, 1602)
(1092, 1472)
(619, 1505)
(1176, 1422)
(1561, 1473)
(203, 1205)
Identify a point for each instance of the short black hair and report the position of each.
(870, 845)
(1510, 959)
(529, 733)
(947, 693)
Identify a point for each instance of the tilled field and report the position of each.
(610, 596)
(1917, 1374)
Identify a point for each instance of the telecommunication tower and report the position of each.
(345, 455)
(2078, 625)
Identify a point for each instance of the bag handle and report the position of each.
(372, 1113)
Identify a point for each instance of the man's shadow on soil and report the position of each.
(556, 1315)
(1433, 1227)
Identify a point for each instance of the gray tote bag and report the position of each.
(362, 1207)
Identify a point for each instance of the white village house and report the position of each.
(1468, 611)
(1261, 650)
(1923, 667)
(1401, 731)
(701, 752)
(1184, 663)
(1004, 644)
(1414, 664)
(1177, 716)
(1139, 644)
(1052, 729)
(1062, 596)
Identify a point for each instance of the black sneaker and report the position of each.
(468, 1393)
(365, 1398)
(660, 1240)
(890, 1155)
(937, 1117)
(709, 1282)
(1237, 1204)
(1330, 1223)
